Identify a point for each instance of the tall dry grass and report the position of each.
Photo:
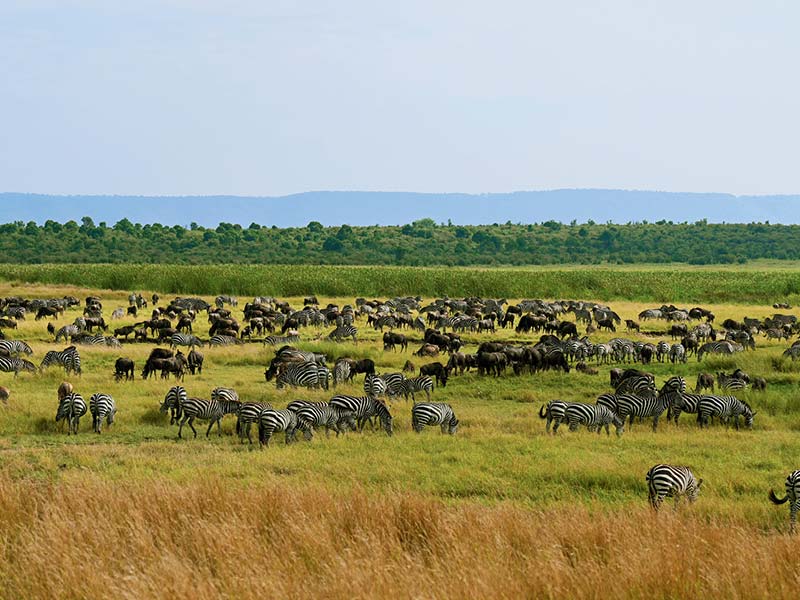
(95, 539)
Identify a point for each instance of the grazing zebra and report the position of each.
(342, 372)
(631, 405)
(311, 415)
(593, 416)
(671, 481)
(67, 331)
(434, 413)
(96, 340)
(15, 365)
(390, 384)
(14, 347)
(682, 402)
(642, 385)
(305, 374)
(173, 401)
(724, 407)
(184, 339)
(722, 347)
(417, 384)
(67, 358)
(102, 406)
(277, 340)
(730, 382)
(792, 496)
(270, 421)
(222, 340)
(363, 408)
(342, 332)
(249, 413)
(196, 408)
(222, 394)
(72, 407)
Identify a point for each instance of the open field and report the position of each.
(500, 509)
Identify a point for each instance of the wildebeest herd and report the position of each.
(547, 336)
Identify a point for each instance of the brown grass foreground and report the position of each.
(158, 539)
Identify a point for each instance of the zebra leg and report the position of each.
(191, 424)
(795, 506)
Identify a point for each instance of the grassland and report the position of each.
(499, 510)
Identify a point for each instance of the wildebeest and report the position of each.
(582, 367)
(64, 390)
(12, 324)
(566, 328)
(491, 363)
(124, 331)
(132, 311)
(123, 367)
(195, 362)
(704, 381)
(606, 324)
(759, 384)
(631, 325)
(409, 367)
(437, 370)
(427, 350)
(49, 311)
(4, 394)
(391, 339)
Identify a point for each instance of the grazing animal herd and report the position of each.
(440, 326)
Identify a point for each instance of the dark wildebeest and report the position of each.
(195, 362)
(556, 360)
(606, 324)
(759, 384)
(132, 311)
(491, 363)
(176, 365)
(428, 350)
(50, 327)
(631, 325)
(123, 367)
(705, 381)
(437, 370)
(365, 365)
(646, 354)
(582, 367)
(678, 331)
(48, 311)
(391, 339)
(4, 394)
(92, 322)
(566, 328)
(125, 331)
(12, 324)
(409, 367)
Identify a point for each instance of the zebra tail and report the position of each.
(775, 499)
(543, 412)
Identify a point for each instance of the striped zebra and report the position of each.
(662, 350)
(730, 382)
(594, 416)
(15, 365)
(631, 405)
(342, 372)
(278, 340)
(96, 340)
(313, 414)
(721, 347)
(69, 358)
(677, 353)
(434, 413)
(422, 383)
(67, 331)
(305, 374)
(363, 408)
(102, 406)
(71, 408)
(724, 407)
(671, 481)
(184, 339)
(222, 340)
(385, 321)
(270, 421)
(249, 413)
(390, 384)
(792, 496)
(554, 412)
(343, 332)
(199, 408)
(14, 347)
(173, 401)
(642, 385)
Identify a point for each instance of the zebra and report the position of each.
(69, 358)
(249, 413)
(184, 339)
(677, 353)
(15, 365)
(72, 407)
(196, 408)
(671, 481)
(593, 416)
(662, 350)
(270, 421)
(642, 385)
(682, 402)
(390, 384)
(67, 331)
(422, 383)
(364, 408)
(721, 347)
(14, 347)
(648, 406)
(724, 407)
(342, 332)
(554, 412)
(305, 374)
(102, 406)
(311, 415)
(385, 321)
(222, 340)
(277, 340)
(342, 372)
(173, 401)
(434, 413)
(730, 382)
(792, 496)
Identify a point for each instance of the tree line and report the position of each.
(422, 242)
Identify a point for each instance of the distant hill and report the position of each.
(397, 208)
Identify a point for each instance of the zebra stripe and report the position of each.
(67, 331)
(422, 383)
(387, 383)
(342, 372)
(69, 358)
(276, 340)
(724, 407)
(307, 374)
(342, 332)
(249, 413)
(15, 365)
(363, 408)
(71, 408)
(434, 413)
(14, 347)
(173, 402)
(792, 496)
(555, 412)
(102, 406)
(323, 415)
(671, 481)
(270, 421)
(222, 340)
(729, 382)
(593, 416)
(184, 339)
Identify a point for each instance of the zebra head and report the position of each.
(452, 427)
(749, 415)
(693, 489)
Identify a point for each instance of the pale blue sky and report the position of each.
(269, 98)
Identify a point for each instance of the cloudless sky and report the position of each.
(269, 97)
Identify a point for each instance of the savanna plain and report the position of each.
(500, 509)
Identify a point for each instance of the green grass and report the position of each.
(761, 283)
